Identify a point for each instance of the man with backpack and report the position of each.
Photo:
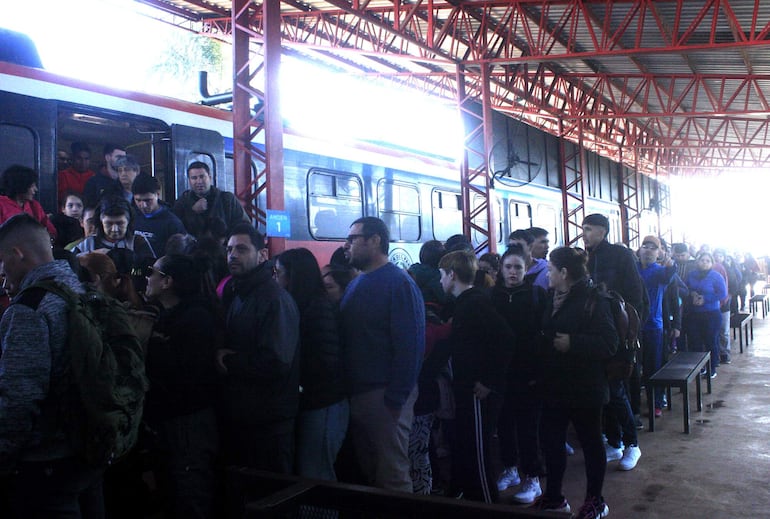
(615, 266)
(45, 476)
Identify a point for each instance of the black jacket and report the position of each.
(577, 377)
(615, 266)
(262, 380)
(522, 307)
(180, 361)
(482, 343)
(221, 204)
(321, 356)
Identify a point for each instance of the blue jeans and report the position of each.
(652, 359)
(320, 433)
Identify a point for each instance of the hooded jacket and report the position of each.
(32, 362)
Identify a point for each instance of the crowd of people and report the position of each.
(356, 370)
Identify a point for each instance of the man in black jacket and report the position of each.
(615, 266)
(260, 360)
(202, 204)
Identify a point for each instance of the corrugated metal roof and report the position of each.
(676, 69)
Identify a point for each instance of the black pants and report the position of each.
(475, 422)
(59, 489)
(186, 454)
(517, 429)
(553, 433)
(619, 418)
(267, 446)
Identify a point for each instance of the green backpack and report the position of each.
(102, 392)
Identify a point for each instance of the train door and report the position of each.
(28, 138)
(144, 138)
(195, 144)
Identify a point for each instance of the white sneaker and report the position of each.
(568, 448)
(529, 491)
(612, 452)
(631, 456)
(509, 478)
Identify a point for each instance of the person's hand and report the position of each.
(674, 333)
(221, 354)
(481, 391)
(561, 342)
(200, 206)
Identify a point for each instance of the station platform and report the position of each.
(719, 470)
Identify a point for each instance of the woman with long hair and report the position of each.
(19, 187)
(578, 338)
(521, 304)
(702, 317)
(323, 410)
(180, 403)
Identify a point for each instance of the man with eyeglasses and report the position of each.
(383, 325)
(259, 361)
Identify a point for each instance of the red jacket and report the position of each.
(71, 180)
(9, 208)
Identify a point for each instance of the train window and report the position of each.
(548, 218)
(481, 220)
(447, 214)
(17, 146)
(334, 200)
(398, 205)
(519, 215)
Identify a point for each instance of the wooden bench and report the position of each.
(760, 300)
(743, 324)
(255, 494)
(679, 371)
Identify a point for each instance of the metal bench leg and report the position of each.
(699, 389)
(686, 410)
(708, 375)
(740, 337)
(651, 406)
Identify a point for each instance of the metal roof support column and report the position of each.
(628, 195)
(571, 167)
(266, 116)
(476, 185)
(664, 211)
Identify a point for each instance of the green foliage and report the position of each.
(185, 54)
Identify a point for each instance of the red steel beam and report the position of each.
(436, 34)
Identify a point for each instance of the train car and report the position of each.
(327, 184)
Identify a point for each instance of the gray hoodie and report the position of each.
(32, 363)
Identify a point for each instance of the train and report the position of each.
(327, 184)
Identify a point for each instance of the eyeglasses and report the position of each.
(149, 270)
(649, 247)
(352, 237)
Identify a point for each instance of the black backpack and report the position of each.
(102, 391)
(627, 324)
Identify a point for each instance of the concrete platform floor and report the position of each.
(720, 470)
